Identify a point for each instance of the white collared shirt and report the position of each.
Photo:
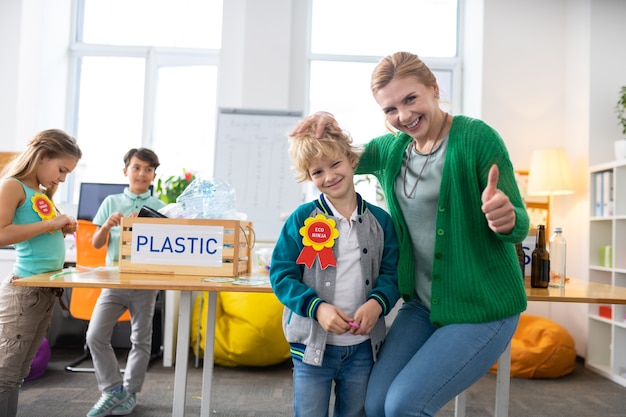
(349, 294)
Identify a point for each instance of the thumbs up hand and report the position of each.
(499, 211)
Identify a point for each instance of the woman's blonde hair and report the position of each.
(400, 65)
(305, 148)
(52, 143)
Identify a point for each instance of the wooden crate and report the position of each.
(236, 258)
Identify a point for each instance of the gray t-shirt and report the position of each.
(420, 210)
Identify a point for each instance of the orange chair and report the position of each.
(86, 254)
(83, 300)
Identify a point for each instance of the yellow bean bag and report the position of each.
(540, 348)
(248, 329)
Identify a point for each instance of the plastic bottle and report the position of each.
(540, 261)
(558, 251)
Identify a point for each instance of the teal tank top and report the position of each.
(44, 252)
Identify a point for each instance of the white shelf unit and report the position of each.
(606, 345)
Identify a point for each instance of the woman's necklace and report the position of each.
(408, 161)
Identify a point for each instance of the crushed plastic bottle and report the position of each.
(209, 198)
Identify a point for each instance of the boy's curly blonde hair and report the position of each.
(305, 148)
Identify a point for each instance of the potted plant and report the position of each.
(168, 189)
(620, 109)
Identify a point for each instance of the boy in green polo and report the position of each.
(119, 394)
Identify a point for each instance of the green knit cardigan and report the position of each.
(475, 273)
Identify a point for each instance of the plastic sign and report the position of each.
(172, 244)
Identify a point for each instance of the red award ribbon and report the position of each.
(318, 237)
(44, 207)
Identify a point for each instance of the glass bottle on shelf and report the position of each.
(540, 261)
(558, 247)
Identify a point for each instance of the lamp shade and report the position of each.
(550, 173)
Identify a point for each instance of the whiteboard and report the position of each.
(251, 154)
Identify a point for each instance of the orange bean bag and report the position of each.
(540, 348)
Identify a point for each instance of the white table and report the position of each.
(575, 291)
(184, 283)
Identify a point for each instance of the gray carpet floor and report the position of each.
(267, 392)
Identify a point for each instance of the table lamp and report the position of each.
(550, 174)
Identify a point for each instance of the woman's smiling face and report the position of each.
(410, 106)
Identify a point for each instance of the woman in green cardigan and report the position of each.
(451, 191)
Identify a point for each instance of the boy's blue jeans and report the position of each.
(348, 366)
(421, 368)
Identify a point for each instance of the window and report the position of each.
(349, 37)
(164, 23)
(145, 74)
(341, 66)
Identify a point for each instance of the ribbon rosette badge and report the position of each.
(318, 237)
(44, 207)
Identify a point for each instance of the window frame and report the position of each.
(452, 64)
(155, 58)
(367, 185)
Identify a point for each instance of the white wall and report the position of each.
(10, 12)
(263, 57)
(553, 82)
(569, 210)
(34, 37)
(524, 92)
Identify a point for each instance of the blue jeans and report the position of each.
(348, 366)
(421, 368)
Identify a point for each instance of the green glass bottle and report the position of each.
(540, 261)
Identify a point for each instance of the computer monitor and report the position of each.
(93, 193)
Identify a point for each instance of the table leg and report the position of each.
(460, 404)
(209, 348)
(503, 381)
(182, 355)
(170, 319)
